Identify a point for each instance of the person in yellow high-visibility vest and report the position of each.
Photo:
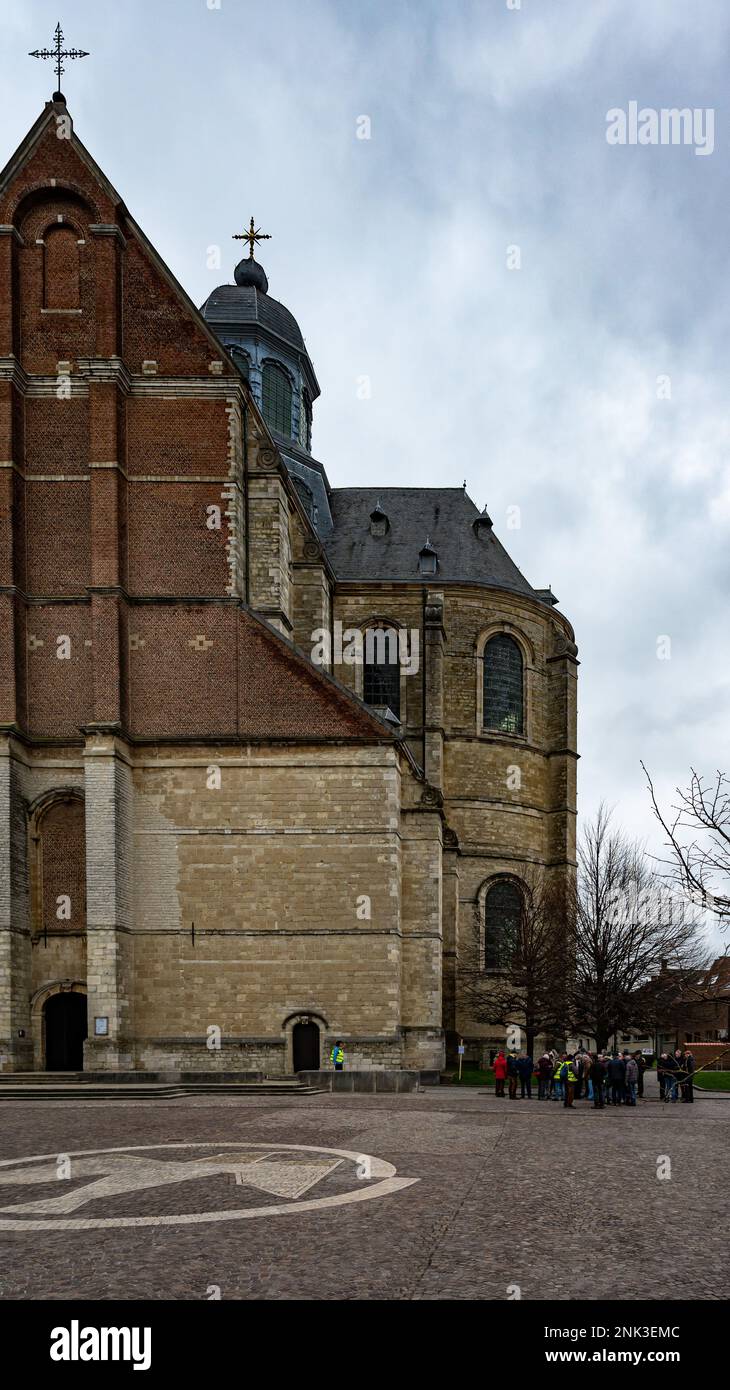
(568, 1078)
(337, 1056)
(558, 1089)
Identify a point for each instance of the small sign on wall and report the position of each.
(101, 1027)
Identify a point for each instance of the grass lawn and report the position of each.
(473, 1076)
(713, 1081)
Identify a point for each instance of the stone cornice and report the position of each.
(222, 480)
(73, 388)
(116, 591)
(105, 370)
(113, 371)
(347, 586)
(108, 229)
(217, 387)
(11, 370)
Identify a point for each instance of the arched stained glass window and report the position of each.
(276, 399)
(503, 685)
(502, 913)
(382, 669)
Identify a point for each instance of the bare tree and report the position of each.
(528, 987)
(627, 927)
(698, 839)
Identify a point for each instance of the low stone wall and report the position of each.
(168, 1077)
(385, 1080)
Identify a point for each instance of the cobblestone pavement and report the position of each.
(564, 1204)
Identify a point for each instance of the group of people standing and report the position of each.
(599, 1077)
(676, 1072)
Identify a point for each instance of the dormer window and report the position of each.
(482, 525)
(379, 524)
(428, 561)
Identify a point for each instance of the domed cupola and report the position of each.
(267, 345)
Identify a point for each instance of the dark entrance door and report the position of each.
(66, 1029)
(305, 1039)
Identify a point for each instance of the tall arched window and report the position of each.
(381, 684)
(502, 913)
(61, 266)
(503, 685)
(276, 398)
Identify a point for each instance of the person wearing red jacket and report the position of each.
(500, 1073)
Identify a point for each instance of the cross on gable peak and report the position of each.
(58, 53)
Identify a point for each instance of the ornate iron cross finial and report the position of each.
(253, 235)
(58, 54)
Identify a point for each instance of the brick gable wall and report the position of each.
(120, 433)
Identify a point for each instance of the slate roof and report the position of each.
(444, 516)
(243, 304)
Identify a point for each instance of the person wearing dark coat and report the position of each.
(512, 1075)
(661, 1072)
(598, 1076)
(544, 1077)
(640, 1060)
(681, 1061)
(671, 1069)
(525, 1068)
(688, 1087)
(617, 1080)
(632, 1078)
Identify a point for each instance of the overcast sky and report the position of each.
(544, 386)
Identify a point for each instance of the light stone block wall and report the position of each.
(217, 914)
(269, 885)
(493, 826)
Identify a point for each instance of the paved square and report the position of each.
(443, 1194)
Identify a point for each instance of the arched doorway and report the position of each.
(305, 1046)
(66, 1028)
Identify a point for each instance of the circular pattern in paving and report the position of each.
(135, 1174)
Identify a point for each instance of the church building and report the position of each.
(276, 755)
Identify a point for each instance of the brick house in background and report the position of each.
(215, 853)
(697, 1015)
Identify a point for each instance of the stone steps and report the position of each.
(69, 1086)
